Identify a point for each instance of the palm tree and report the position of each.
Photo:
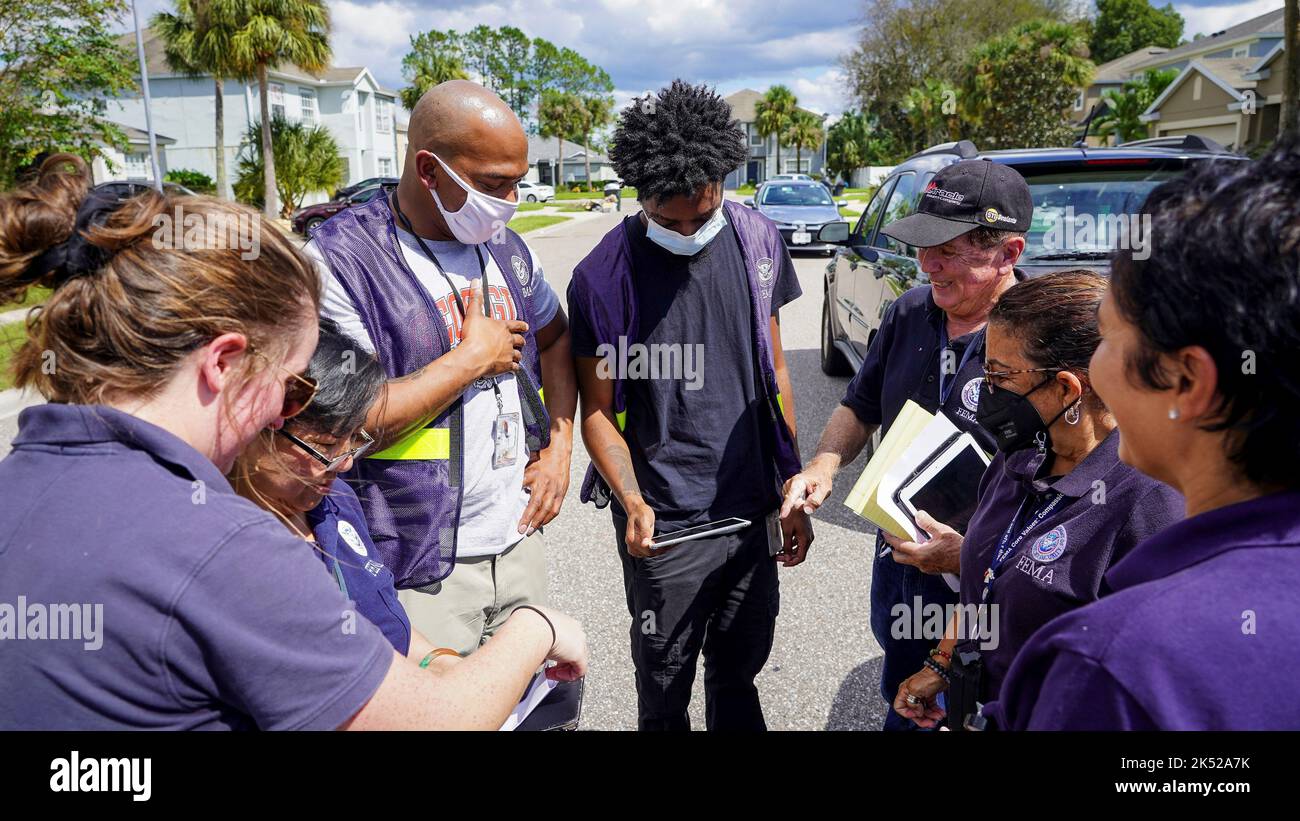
(559, 115)
(772, 115)
(258, 35)
(1124, 107)
(196, 55)
(307, 159)
(805, 131)
(597, 112)
(1289, 121)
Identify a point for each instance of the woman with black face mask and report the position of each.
(1056, 507)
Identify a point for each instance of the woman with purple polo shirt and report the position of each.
(1200, 364)
(164, 351)
(293, 473)
(1056, 506)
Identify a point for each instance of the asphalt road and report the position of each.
(824, 667)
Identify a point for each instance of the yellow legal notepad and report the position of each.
(866, 498)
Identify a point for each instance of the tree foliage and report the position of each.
(306, 158)
(1124, 107)
(1124, 26)
(59, 65)
(1018, 86)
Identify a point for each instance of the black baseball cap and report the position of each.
(962, 197)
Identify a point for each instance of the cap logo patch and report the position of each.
(951, 197)
(991, 215)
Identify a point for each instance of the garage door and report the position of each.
(1224, 135)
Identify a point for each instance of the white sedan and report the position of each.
(535, 192)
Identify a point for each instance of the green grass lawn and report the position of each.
(849, 212)
(523, 225)
(531, 206)
(587, 195)
(11, 338)
(34, 296)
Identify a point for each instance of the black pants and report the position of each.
(719, 596)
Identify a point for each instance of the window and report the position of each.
(383, 115)
(308, 98)
(1078, 101)
(794, 194)
(385, 166)
(868, 220)
(754, 137)
(901, 203)
(275, 96)
(138, 166)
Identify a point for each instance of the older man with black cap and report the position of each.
(969, 229)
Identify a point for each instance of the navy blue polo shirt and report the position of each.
(1105, 508)
(1198, 634)
(180, 605)
(344, 545)
(904, 360)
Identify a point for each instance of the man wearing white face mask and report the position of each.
(473, 457)
(705, 432)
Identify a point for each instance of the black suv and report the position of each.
(871, 270)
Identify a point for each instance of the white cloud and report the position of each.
(1209, 19)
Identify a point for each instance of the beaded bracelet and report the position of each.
(938, 669)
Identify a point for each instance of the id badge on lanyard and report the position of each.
(505, 427)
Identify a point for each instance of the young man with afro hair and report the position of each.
(686, 407)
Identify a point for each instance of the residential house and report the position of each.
(1108, 77)
(1229, 86)
(544, 165)
(134, 163)
(762, 161)
(359, 112)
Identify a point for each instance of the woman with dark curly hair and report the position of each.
(1199, 361)
(686, 406)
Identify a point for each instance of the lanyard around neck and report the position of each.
(1007, 546)
(455, 292)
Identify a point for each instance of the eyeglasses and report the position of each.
(298, 392)
(989, 375)
(331, 463)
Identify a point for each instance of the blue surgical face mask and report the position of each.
(686, 246)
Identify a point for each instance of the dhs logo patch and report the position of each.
(766, 270)
(521, 269)
(1050, 546)
(970, 394)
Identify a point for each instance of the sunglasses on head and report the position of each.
(299, 390)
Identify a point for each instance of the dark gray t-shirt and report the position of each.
(137, 590)
(695, 433)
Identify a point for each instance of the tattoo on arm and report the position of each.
(621, 464)
(410, 377)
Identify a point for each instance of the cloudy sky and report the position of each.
(643, 44)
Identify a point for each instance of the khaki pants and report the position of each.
(472, 603)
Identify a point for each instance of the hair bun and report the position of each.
(77, 256)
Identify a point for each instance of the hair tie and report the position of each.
(77, 256)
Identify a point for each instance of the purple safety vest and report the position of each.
(602, 290)
(412, 504)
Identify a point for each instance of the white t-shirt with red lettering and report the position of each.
(494, 499)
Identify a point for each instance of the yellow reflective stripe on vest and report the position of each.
(621, 418)
(780, 403)
(426, 444)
